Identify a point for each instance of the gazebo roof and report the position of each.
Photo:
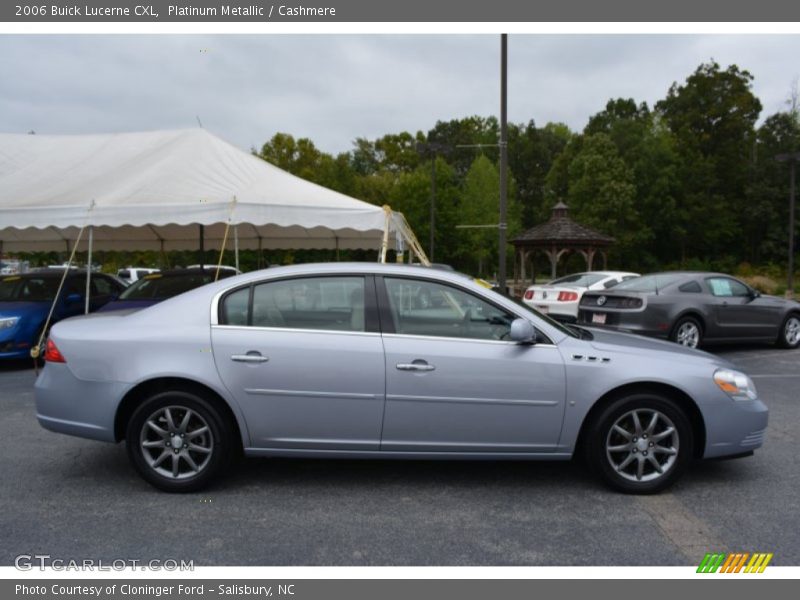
(561, 230)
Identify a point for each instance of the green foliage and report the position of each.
(690, 183)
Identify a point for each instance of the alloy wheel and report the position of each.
(791, 332)
(642, 445)
(176, 442)
(688, 334)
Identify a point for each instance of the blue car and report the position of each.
(156, 287)
(25, 301)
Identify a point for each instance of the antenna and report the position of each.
(198, 121)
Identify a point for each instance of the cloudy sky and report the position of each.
(335, 88)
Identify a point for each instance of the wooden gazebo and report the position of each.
(557, 237)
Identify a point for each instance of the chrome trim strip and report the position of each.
(311, 394)
(460, 339)
(491, 401)
(297, 330)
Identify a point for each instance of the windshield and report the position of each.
(161, 287)
(579, 279)
(28, 289)
(650, 284)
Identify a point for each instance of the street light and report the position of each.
(792, 159)
(432, 149)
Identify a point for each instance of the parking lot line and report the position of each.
(690, 534)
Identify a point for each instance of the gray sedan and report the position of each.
(343, 361)
(692, 308)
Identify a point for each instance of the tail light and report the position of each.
(529, 295)
(567, 296)
(631, 303)
(52, 353)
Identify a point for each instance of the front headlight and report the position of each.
(8, 322)
(736, 384)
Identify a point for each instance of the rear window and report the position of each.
(160, 287)
(650, 283)
(579, 279)
(692, 287)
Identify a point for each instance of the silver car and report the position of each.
(345, 361)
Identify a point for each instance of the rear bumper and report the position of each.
(626, 322)
(65, 404)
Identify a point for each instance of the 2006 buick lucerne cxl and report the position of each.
(345, 361)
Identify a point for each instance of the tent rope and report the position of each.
(225, 238)
(37, 349)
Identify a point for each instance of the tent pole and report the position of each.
(385, 243)
(236, 245)
(202, 248)
(88, 271)
(258, 261)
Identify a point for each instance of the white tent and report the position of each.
(151, 191)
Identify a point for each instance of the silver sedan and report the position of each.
(348, 361)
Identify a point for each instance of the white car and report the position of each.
(131, 275)
(560, 297)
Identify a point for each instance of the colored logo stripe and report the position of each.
(734, 562)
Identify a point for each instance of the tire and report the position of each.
(687, 332)
(789, 335)
(175, 454)
(616, 459)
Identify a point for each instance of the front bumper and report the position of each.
(734, 430)
(66, 404)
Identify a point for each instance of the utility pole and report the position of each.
(792, 159)
(501, 272)
(432, 149)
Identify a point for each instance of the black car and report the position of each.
(156, 287)
(693, 308)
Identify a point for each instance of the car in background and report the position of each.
(25, 302)
(130, 275)
(156, 287)
(693, 308)
(329, 360)
(560, 298)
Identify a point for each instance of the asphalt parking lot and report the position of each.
(75, 499)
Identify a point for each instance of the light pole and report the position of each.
(792, 159)
(501, 273)
(432, 149)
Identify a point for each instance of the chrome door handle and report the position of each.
(415, 366)
(249, 358)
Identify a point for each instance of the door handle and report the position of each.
(417, 365)
(250, 357)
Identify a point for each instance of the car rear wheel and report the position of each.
(790, 332)
(640, 444)
(687, 332)
(179, 441)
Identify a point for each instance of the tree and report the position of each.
(712, 117)
(480, 205)
(602, 195)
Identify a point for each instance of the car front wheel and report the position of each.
(789, 336)
(179, 441)
(640, 444)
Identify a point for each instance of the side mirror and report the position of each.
(755, 293)
(522, 332)
(73, 298)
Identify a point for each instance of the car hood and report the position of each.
(20, 309)
(628, 343)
